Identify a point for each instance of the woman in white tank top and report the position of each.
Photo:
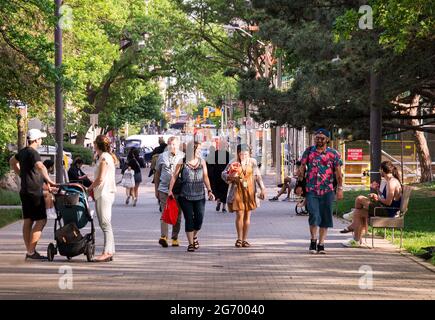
(104, 188)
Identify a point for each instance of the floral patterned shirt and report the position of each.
(320, 169)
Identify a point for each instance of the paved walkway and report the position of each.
(277, 266)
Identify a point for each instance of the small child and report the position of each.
(47, 191)
(128, 183)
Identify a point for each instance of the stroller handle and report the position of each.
(77, 185)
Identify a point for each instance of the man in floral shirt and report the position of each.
(320, 162)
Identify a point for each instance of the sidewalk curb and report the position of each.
(421, 262)
(408, 255)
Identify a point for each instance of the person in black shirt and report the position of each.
(75, 173)
(28, 165)
(133, 163)
(217, 161)
(155, 155)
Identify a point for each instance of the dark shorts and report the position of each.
(320, 209)
(33, 207)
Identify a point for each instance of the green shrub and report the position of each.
(78, 151)
(5, 155)
(8, 216)
(9, 198)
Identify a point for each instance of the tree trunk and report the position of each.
(80, 138)
(421, 143)
(21, 125)
(273, 138)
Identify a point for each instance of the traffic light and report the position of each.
(218, 112)
(205, 113)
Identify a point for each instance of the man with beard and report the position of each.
(320, 162)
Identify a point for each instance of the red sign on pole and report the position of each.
(354, 154)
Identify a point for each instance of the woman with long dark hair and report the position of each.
(217, 161)
(243, 176)
(76, 174)
(389, 199)
(133, 163)
(104, 189)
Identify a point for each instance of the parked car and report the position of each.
(145, 143)
(49, 152)
(145, 155)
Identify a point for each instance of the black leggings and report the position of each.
(193, 212)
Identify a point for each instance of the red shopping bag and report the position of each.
(170, 213)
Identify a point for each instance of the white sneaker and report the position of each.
(348, 216)
(352, 244)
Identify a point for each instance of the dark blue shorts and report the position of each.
(320, 209)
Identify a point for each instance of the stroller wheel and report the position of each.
(300, 208)
(51, 251)
(90, 251)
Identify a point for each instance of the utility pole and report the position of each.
(375, 126)
(278, 128)
(58, 94)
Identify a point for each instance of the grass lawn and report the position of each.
(8, 216)
(9, 198)
(419, 229)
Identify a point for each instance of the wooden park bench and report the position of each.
(396, 222)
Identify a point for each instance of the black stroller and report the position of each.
(72, 211)
(301, 202)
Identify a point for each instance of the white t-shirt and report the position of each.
(108, 185)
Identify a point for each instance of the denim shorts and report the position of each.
(320, 209)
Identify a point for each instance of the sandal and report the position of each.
(346, 230)
(246, 244)
(238, 243)
(191, 248)
(195, 243)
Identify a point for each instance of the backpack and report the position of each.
(154, 159)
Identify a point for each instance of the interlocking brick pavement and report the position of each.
(277, 266)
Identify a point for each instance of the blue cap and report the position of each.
(324, 132)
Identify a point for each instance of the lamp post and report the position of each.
(264, 130)
(375, 126)
(58, 95)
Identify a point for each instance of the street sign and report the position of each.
(17, 104)
(354, 154)
(93, 118)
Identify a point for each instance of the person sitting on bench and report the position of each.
(389, 200)
(75, 173)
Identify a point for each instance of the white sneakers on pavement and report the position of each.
(348, 216)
